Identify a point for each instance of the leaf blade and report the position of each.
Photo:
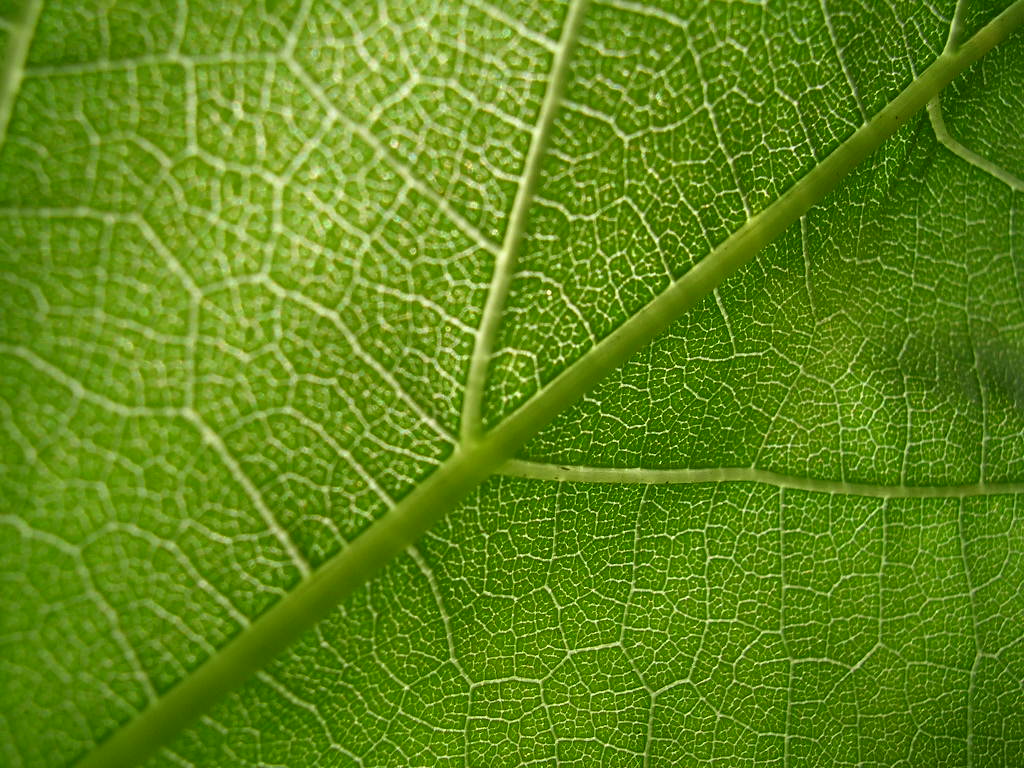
(414, 515)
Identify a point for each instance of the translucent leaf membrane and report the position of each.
(880, 341)
(731, 624)
(243, 252)
(676, 128)
(245, 249)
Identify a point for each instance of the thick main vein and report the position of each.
(12, 67)
(475, 460)
(505, 261)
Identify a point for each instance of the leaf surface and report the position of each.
(274, 273)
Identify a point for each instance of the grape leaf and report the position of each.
(288, 283)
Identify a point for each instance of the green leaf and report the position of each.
(285, 284)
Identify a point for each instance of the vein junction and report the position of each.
(480, 455)
(505, 261)
(942, 132)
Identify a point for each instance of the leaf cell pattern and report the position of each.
(267, 264)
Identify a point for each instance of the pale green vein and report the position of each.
(534, 470)
(966, 153)
(404, 171)
(505, 261)
(956, 26)
(209, 436)
(938, 121)
(516, 25)
(854, 91)
(216, 443)
(79, 391)
(470, 464)
(759, 230)
(19, 41)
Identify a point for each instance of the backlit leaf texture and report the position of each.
(268, 266)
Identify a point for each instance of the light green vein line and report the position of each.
(505, 261)
(471, 464)
(19, 41)
(938, 120)
(79, 391)
(238, 474)
(533, 470)
(964, 152)
(741, 247)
